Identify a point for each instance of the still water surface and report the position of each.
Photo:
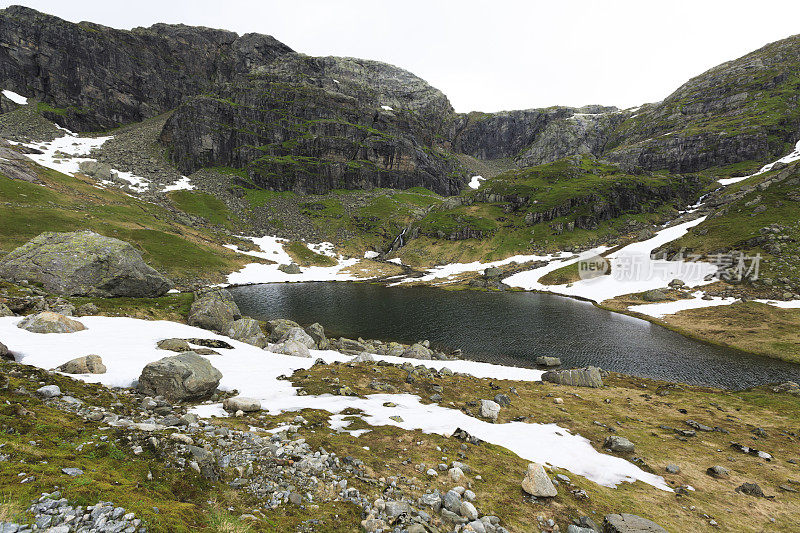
(510, 328)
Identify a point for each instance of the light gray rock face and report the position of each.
(247, 330)
(418, 351)
(630, 523)
(89, 364)
(49, 391)
(277, 328)
(579, 134)
(575, 377)
(291, 348)
(490, 409)
(317, 332)
(615, 443)
(215, 311)
(84, 263)
(241, 403)
(299, 335)
(186, 376)
(49, 322)
(537, 482)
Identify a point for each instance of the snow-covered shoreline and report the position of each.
(126, 345)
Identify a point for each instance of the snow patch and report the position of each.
(371, 254)
(632, 270)
(475, 182)
(128, 344)
(182, 184)
(387, 108)
(14, 97)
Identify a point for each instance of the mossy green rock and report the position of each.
(84, 263)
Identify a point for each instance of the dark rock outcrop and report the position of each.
(90, 77)
(312, 124)
(83, 263)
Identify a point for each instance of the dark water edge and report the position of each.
(511, 328)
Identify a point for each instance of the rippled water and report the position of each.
(511, 328)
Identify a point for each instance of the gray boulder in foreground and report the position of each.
(84, 263)
(575, 377)
(215, 311)
(630, 523)
(186, 376)
(49, 322)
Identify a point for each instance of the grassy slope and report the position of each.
(70, 204)
(636, 408)
(541, 188)
(185, 501)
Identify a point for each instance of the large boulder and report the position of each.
(575, 377)
(241, 403)
(214, 310)
(83, 263)
(186, 376)
(418, 351)
(537, 482)
(5, 311)
(298, 335)
(49, 322)
(630, 523)
(247, 330)
(89, 364)
(277, 328)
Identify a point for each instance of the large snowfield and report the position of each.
(127, 345)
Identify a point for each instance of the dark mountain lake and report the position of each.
(511, 328)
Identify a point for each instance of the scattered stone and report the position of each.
(548, 361)
(502, 400)
(186, 376)
(89, 364)
(655, 295)
(72, 472)
(49, 391)
(673, 469)
(292, 268)
(84, 263)
(317, 332)
(49, 322)
(717, 471)
(365, 357)
(629, 523)
(490, 409)
(174, 345)
(241, 403)
(537, 483)
(291, 348)
(211, 343)
(616, 443)
(576, 377)
(751, 489)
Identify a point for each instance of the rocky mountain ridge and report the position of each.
(313, 124)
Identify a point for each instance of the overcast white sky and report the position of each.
(497, 54)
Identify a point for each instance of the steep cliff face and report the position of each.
(747, 109)
(313, 124)
(536, 136)
(91, 77)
